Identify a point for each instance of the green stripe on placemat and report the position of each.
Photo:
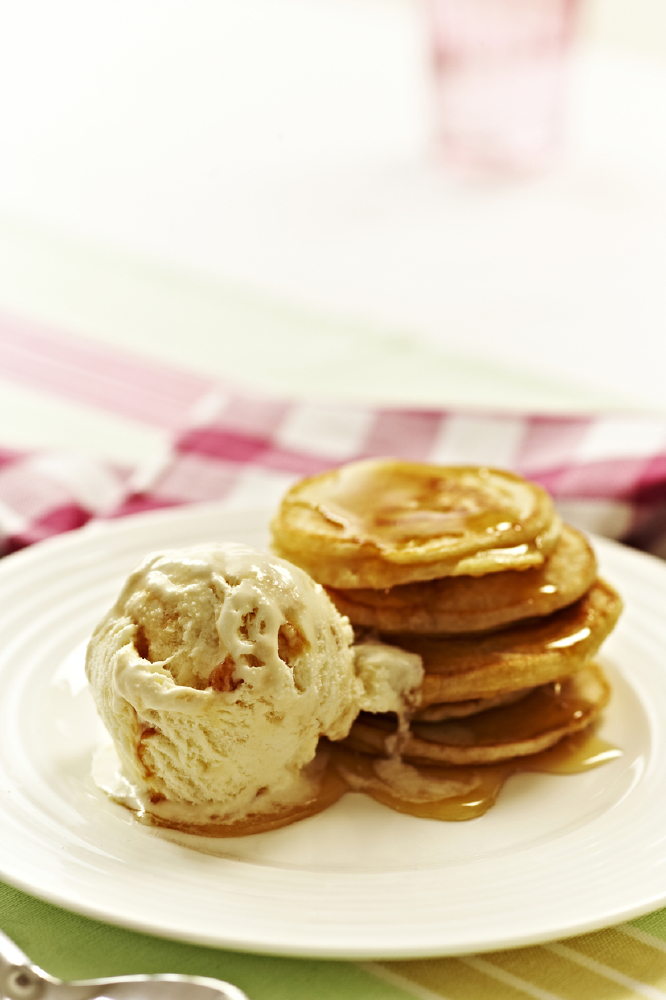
(653, 924)
(70, 946)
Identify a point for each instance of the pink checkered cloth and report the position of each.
(607, 473)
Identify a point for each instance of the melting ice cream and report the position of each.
(217, 672)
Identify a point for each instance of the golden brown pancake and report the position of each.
(474, 604)
(537, 722)
(527, 654)
(471, 569)
(384, 522)
(460, 709)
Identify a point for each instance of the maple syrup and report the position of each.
(403, 502)
(332, 786)
(424, 790)
(450, 793)
(370, 761)
(565, 628)
(465, 791)
(545, 709)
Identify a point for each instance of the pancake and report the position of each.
(383, 522)
(539, 721)
(526, 654)
(460, 709)
(474, 604)
(471, 569)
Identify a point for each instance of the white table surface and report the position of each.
(250, 189)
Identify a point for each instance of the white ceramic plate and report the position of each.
(556, 856)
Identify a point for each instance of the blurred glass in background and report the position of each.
(500, 79)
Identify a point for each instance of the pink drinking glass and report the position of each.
(500, 81)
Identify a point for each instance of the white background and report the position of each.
(286, 150)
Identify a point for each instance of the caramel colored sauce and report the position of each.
(400, 503)
(424, 791)
(331, 788)
(546, 708)
(563, 629)
(369, 762)
(468, 791)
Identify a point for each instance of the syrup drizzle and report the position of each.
(449, 793)
(332, 787)
(466, 791)
(370, 761)
(399, 505)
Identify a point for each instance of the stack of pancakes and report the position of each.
(472, 569)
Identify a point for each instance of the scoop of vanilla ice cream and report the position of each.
(217, 671)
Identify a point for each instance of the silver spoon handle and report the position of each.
(19, 980)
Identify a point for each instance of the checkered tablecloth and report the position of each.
(607, 473)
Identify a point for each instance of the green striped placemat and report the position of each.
(620, 963)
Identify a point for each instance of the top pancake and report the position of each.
(473, 604)
(384, 522)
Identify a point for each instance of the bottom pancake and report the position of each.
(536, 722)
(452, 793)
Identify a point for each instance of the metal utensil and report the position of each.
(21, 980)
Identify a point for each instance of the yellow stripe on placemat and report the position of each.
(457, 979)
(556, 972)
(619, 963)
(625, 955)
